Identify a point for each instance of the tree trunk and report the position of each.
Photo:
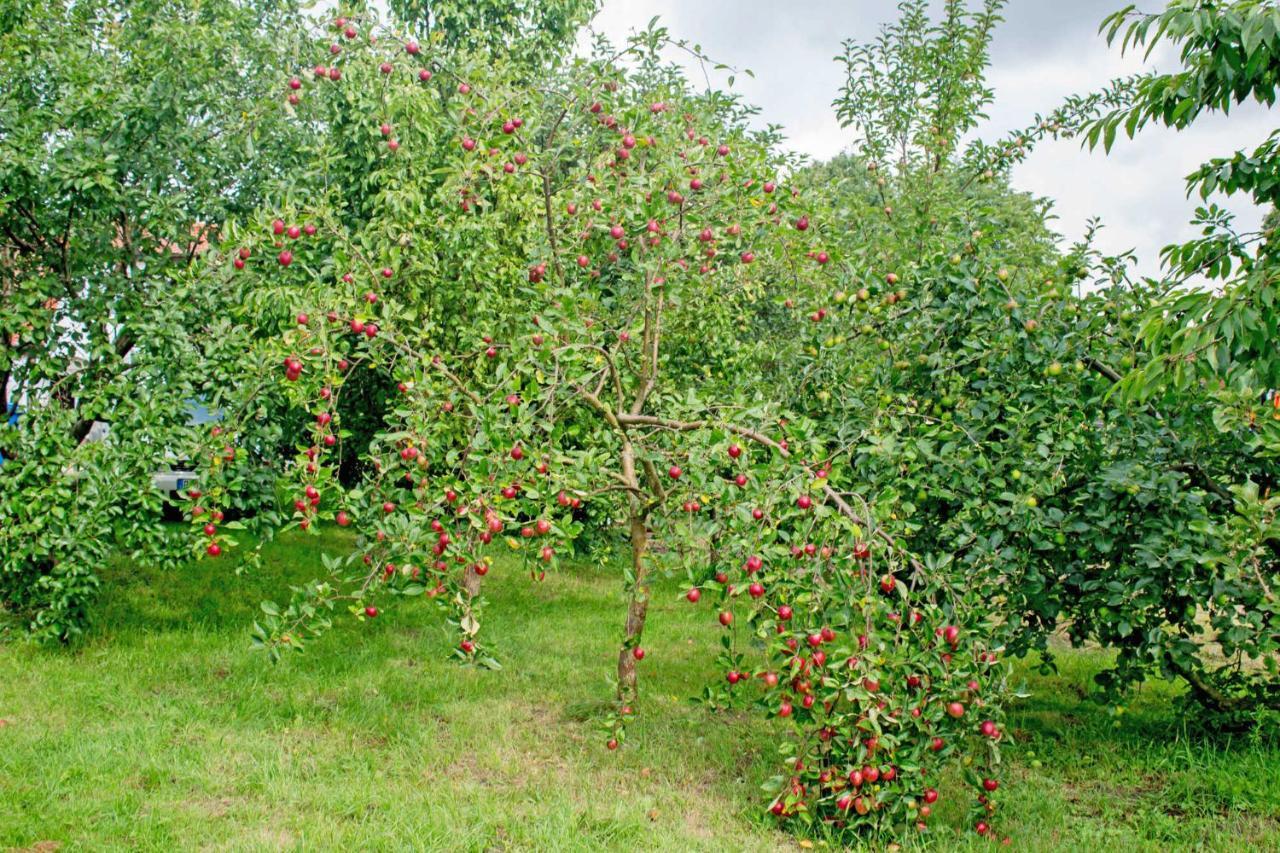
(468, 621)
(638, 607)
(1209, 694)
(470, 583)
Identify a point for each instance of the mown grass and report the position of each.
(166, 732)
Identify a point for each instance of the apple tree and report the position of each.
(980, 371)
(560, 305)
(1212, 348)
(1198, 365)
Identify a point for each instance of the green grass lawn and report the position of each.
(165, 732)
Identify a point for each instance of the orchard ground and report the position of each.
(165, 731)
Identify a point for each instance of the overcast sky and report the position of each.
(1045, 50)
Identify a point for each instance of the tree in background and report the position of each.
(970, 368)
(529, 41)
(120, 161)
(121, 167)
(1195, 597)
(1217, 345)
(527, 31)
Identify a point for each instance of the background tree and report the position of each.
(1200, 361)
(970, 367)
(1216, 345)
(531, 30)
(121, 160)
(376, 195)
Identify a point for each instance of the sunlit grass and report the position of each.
(166, 732)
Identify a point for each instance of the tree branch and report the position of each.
(759, 438)
(1198, 475)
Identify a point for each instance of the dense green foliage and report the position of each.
(1216, 346)
(119, 161)
(977, 376)
(486, 302)
(1201, 366)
